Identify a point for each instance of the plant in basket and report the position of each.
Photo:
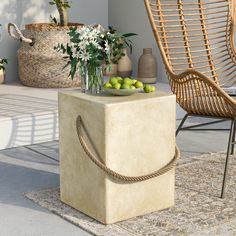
(62, 7)
(39, 64)
(2, 64)
(90, 48)
(2, 69)
(3, 61)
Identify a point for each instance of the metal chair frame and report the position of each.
(231, 139)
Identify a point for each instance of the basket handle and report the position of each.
(18, 34)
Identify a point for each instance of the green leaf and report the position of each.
(67, 64)
(54, 20)
(131, 48)
(73, 69)
(2, 62)
(129, 35)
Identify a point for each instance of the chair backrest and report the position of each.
(195, 34)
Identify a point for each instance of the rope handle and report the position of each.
(19, 35)
(169, 166)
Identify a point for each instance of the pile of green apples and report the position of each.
(128, 83)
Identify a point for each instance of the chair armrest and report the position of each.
(198, 94)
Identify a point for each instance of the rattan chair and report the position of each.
(196, 41)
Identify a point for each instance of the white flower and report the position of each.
(96, 44)
(84, 30)
(82, 45)
(97, 31)
(84, 56)
(100, 28)
(93, 35)
(107, 47)
(74, 52)
(83, 36)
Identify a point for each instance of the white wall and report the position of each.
(131, 16)
(22, 12)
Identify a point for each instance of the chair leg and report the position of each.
(227, 158)
(233, 139)
(181, 124)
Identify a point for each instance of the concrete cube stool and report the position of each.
(132, 135)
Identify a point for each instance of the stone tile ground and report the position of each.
(197, 209)
(36, 167)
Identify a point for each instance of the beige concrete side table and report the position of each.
(132, 135)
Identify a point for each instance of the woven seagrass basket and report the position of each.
(39, 64)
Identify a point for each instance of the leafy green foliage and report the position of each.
(53, 20)
(91, 47)
(62, 7)
(117, 43)
(2, 62)
(64, 4)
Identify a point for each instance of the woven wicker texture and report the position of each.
(196, 40)
(39, 64)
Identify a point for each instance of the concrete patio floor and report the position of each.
(33, 167)
(21, 170)
(27, 115)
(29, 168)
(30, 115)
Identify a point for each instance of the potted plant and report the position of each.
(39, 64)
(89, 49)
(62, 7)
(118, 42)
(2, 70)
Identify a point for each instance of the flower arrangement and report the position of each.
(89, 49)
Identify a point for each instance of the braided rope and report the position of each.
(116, 175)
(19, 33)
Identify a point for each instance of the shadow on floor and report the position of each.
(27, 120)
(16, 180)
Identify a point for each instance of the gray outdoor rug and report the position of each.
(198, 210)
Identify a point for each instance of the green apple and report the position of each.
(113, 80)
(107, 85)
(153, 88)
(149, 88)
(138, 84)
(125, 86)
(117, 86)
(132, 87)
(128, 81)
(120, 80)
